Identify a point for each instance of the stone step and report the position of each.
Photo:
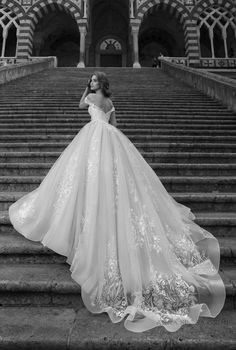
(126, 131)
(171, 183)
(15, 248)
(77, 118)
(207, 202)
(53, 81)
(69, 94)
(34, 284)
(74, 116)
(70, 87)
(128, 125)
(199, 202)
(150, 157)
(161, 169)
(142, 146)
(60, 328)
(149, 103)
(132, 112)
(72, 91)
(133, 137)
(220, 224)
(32, 92)
(148, 106)
(51, 284)
(190, 97)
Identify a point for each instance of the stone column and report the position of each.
(25, 39)
(4, 36)
(192, 42)
(131, 8)
(224, 34)
(212, 42)
(136, 63)
(85, 9)
(83, 32)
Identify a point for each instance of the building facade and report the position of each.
(120, 32)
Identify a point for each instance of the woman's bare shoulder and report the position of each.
(111, 102)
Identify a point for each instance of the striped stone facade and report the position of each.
(185, 12)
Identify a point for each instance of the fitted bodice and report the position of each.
(96, 113)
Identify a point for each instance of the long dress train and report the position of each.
(131, 247)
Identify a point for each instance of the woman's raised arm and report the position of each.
(83, 104)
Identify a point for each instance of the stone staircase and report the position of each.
(186, 137)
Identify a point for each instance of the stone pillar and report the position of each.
(4, 36)
(212, 42)
(136, 63)
(224, 33)
(85, 9)
(192, 42)
(24, 39)
(83, 32)
(131, 4)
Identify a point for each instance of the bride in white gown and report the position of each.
(132, 248)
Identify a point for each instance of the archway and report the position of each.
(57, 34)
(109, 43)
(160, 33)
(110, 53)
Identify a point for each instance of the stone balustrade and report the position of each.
(12, 68)
(216, 86)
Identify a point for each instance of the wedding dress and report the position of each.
(132, 248)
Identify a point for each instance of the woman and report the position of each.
(133, 249)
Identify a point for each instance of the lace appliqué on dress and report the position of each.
(115, 184)
(112, 293)
(144, 230)
(93, 160)
(188, 253)
(169, 297)
(65, 185)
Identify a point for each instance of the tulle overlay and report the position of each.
(131, 247)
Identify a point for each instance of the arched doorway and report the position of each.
(109, 33)
(57, 34)
(160, 33)
(109, 53)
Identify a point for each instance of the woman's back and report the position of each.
(105, 103)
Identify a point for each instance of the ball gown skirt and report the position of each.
(131, 247)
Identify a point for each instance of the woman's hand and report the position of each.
(88, 84)
(86, 92)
